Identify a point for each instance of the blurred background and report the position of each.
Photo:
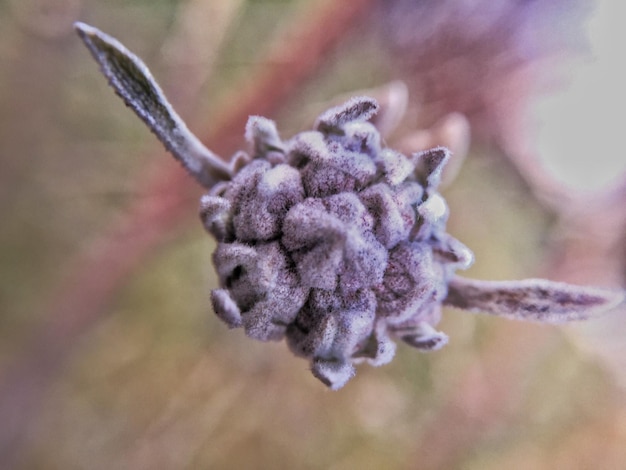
(110, 355)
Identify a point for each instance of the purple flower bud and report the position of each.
(329, 239)
(362, 230)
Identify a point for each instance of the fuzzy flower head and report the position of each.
(334, 242)
(329, 239)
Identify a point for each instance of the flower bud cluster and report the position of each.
(333, 241)
(330, 239)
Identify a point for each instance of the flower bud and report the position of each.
(339, 245)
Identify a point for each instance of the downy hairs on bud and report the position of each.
(329, 239)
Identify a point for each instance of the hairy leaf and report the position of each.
(132, 81)
(531, 299)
